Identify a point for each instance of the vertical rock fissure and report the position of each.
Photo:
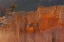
(53, 39)
(25, 29)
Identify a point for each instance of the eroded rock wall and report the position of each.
(43, 25)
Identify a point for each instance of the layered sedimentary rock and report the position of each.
(43, 25)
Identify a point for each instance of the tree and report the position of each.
(3, 11)
(12, 7)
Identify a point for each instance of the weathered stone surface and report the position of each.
(45, 24)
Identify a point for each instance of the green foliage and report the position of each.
(12, 7)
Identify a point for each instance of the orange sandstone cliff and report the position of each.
(33, 26)
(50, 17)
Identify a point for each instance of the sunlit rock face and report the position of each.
(42, 25)
(49, 17)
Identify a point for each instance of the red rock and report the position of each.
(46, 22)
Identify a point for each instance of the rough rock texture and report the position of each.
(50, 17)
(43, 25)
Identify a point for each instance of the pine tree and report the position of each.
(12, 7)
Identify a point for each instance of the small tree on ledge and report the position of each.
(12, 7)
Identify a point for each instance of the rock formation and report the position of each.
(43, 25)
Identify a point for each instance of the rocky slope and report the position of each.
(43, 25)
